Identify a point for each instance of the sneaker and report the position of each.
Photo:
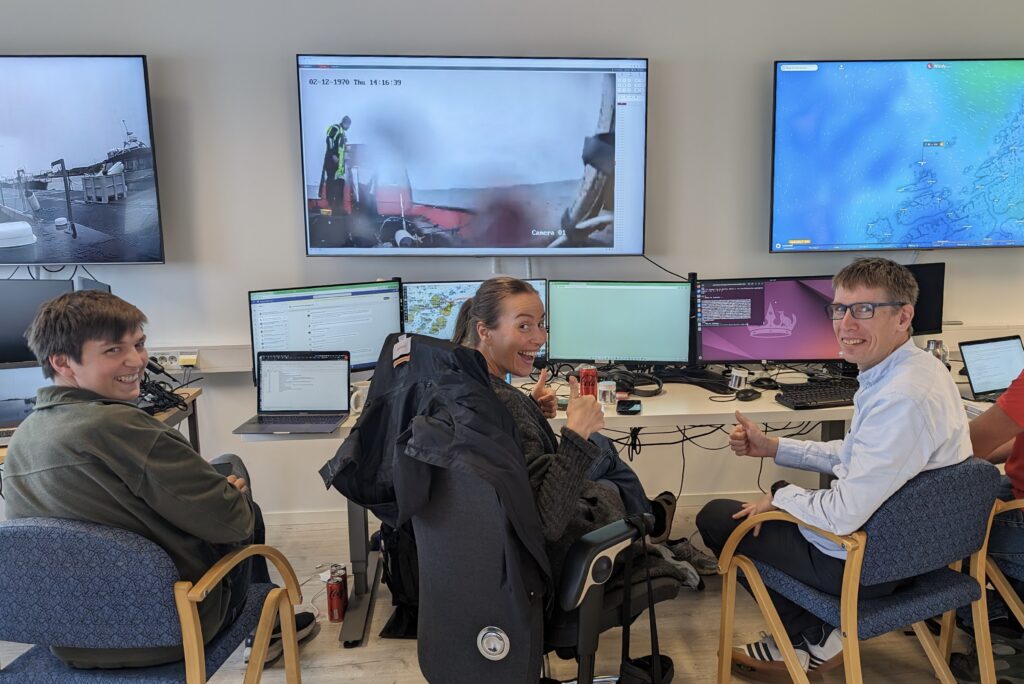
(688, 575)
(826, 650)
(663, 507)
(306, 627)
(684, 550)
(764, 655)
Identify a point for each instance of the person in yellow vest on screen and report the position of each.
(334, 164)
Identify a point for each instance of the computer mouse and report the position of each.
(747, 394)
(765, 383)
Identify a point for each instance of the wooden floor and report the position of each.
(688, 629)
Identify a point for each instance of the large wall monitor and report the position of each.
(473, 155)
(352, 317)
(897, 155)
(432, 308)
(765, 319)
(629, 322)
(22, 299)
(77, 169)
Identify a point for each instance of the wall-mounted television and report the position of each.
(875, 155)
(77, 167)
(472, 155)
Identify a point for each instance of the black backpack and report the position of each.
(402, 576)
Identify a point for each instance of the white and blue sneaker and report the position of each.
(827, 651)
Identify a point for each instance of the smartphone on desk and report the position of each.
(627, 407)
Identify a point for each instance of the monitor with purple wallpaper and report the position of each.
(765, 319)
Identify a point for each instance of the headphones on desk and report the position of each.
(625, 381)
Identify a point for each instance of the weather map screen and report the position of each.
(432, 308)
(898, 155)
(765, 319)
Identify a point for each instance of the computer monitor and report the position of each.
(78, 182)
(82, 283)
(619, 321)
(18, 386)
(931, 280)
(22, 299)
(751, 320)
(909, 154)
(352, 317)
(431, 308)
(476, 156)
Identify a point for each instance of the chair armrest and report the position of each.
(221, 568)
(590, 559)
(848, 542)
(1003, 506)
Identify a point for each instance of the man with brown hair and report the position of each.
(88, 453)
(907, 418)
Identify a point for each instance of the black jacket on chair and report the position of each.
(437, 410)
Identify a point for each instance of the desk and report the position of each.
(171, 416)
(677, 405)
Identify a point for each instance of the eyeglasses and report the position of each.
(859, 310)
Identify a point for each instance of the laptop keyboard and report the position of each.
(301, 419)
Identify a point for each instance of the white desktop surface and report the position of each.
(678, 404)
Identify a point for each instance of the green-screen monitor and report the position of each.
(619, 321)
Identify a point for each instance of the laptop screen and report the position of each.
(313, 382)
(993, 364)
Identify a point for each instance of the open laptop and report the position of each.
(299, 393)
(991, 365)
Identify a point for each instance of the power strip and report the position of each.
(175, 359)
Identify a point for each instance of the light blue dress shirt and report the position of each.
(907, 418)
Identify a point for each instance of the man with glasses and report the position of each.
(908, 418)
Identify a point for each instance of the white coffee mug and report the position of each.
(359, 391)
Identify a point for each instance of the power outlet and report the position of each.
(175, 359)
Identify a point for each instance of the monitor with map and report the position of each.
(431, 308)
(872, 155)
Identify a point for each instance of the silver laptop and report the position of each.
(991, 365)
(299, 393)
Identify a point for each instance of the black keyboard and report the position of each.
(816, 395)
(297, 418)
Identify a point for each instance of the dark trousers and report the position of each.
(253, 569)
(336, 194)
(781, 545)
(609, 469)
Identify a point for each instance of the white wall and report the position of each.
(225, 115)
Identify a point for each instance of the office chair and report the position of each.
(77, 584)
(481, 618)
(934, 521)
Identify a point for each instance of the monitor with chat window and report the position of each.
(750, 320)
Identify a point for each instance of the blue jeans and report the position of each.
(610, 470)
(1006, 542)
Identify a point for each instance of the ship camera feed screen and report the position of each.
(765, 320)
(898, 155)
(77, 175)
(473, 156)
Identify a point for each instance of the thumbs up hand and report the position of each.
(545, 396)
(746, 439)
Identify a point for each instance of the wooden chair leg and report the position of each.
(948, 625)
(771, 616)
(261, 640)
(191, 634)
(1005, 589)
(983, 640)
(939, 661)
(725, 631)
(289, 640)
